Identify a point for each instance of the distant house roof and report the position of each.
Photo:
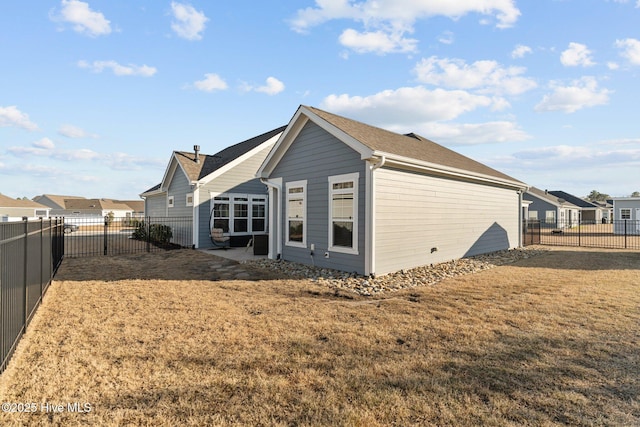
(210, 163)
(371, 142)
(549, 197)
(573, 199)
(8, 202)
(94, 204)
(56, 200)
(135, 205)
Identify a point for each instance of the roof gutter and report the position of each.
(408, 163)
(379, 164)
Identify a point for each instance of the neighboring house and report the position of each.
(218, 190)
(15, 210)
(626, 215)
(96, 208)
(607, 210)
(55, 202)
(551, 210)
(590, 213)
(353, 197)
(136, 206)
(80, 207)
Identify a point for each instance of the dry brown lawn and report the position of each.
(550, 340)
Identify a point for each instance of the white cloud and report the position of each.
(210, 83)
(119, 70)
(483, 76)
(189, 23)
(394, 18)
(407, 106)
(578, 156)
(446, 37)
(402, 14)
(44, 143)
(11, 116)
(630, 49)
(273, 86)
(82, 18)
(379, 42)
(580, 94)
(520, 51)
(577, 54)
(472, 133)
(613, 65)
(71, 131)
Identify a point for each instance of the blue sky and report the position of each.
(95, 95)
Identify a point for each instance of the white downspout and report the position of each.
(370, 241)
(275, 229)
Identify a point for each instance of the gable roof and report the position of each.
(8, 202)
(57, 200)
(548, 197)
(573, 199)
(210, 164)
(95, 204)
(374, 143)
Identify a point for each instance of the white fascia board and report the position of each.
(293, 129)
(232, 164)
(418, 165)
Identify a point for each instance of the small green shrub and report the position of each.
(155, 233)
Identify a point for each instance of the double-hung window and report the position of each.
(343, 213)
(625, 213)
(296, 213)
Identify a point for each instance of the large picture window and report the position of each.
(296, 213)
(343, 213)
(239, 213)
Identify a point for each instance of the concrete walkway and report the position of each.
(235, 254)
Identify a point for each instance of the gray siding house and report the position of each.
(14, 210)
(626, 215)
(551, 210)
(219, 189)
(357, 198)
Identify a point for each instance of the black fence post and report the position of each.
(41, 255)
(625, 233)
(106, 224)
(26, 269)
(148, 233)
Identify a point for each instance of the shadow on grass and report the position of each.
(590, 260)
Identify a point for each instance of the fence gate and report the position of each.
(86, 237)
(531, 233)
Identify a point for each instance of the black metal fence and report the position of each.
(86, 236)
(618, 234)
(30, 254)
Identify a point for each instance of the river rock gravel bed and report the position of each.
(403, 279)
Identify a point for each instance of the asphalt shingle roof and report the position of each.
(411, 146)
(210, 163)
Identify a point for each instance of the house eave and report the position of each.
(441, 170)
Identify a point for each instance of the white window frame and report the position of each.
(627, 210)
(288, 186)
(189, 199)
(352, 178)
(170, 201)
(255, 200)
(230, 200)
(533, 215)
